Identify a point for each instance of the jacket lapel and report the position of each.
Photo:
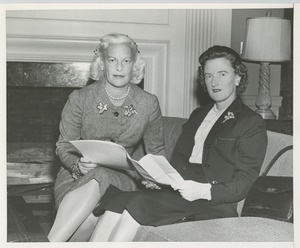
(198, 119)
(229, 116)
(186, 142)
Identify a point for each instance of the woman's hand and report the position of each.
(191, 190)
(85, 166)
(150, 185)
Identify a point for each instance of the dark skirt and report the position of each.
(161, 207)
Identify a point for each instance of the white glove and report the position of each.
(191, 190)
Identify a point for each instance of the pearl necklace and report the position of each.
(117, 98)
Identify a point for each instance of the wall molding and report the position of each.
(203, 28)
(155, 80)
(199, 36)
(141, 16)
(45, 49)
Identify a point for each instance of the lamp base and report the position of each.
(266, 113)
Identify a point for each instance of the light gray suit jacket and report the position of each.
(86, 117)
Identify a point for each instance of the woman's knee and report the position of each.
(106, 177)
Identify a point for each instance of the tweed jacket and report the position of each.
(89, 114)
(233, 151)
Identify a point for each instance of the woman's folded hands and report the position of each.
(192, 190)
(150, 185)
(85, 165)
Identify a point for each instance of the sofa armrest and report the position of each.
(284, 164)
(236, 229)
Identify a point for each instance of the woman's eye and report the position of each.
(127, 61)
(222, 74)
(111, 60)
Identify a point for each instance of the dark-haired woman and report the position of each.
(219, 154)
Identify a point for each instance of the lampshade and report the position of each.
(267, 39)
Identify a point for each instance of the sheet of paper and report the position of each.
(160, 169)
(104, 153)
(142, 171)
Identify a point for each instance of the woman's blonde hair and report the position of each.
(96, 71)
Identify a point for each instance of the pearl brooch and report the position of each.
(129, 110)
(102, 107)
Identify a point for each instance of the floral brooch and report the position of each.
(129, 110)
(228, 116)
(102, 107)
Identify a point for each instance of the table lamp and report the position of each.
(267, 40)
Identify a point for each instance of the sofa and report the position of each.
(241, 229)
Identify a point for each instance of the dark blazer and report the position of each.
(233, 151)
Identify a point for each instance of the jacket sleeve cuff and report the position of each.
(207, 191)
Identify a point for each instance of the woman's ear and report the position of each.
(101, 64)
(237, 80)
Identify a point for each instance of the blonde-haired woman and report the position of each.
(113, 108)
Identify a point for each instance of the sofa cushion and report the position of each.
(220, 230)
(172, 130)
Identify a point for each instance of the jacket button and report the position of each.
(214, 182)
(206, 165)
(207, 146)
(116, 114)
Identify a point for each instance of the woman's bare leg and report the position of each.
(115, 227)
(84, 232)
(104, 227)
(73, 210)
(126, 228)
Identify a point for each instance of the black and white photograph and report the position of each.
(150, 123)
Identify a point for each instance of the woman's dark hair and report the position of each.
(232, 56)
